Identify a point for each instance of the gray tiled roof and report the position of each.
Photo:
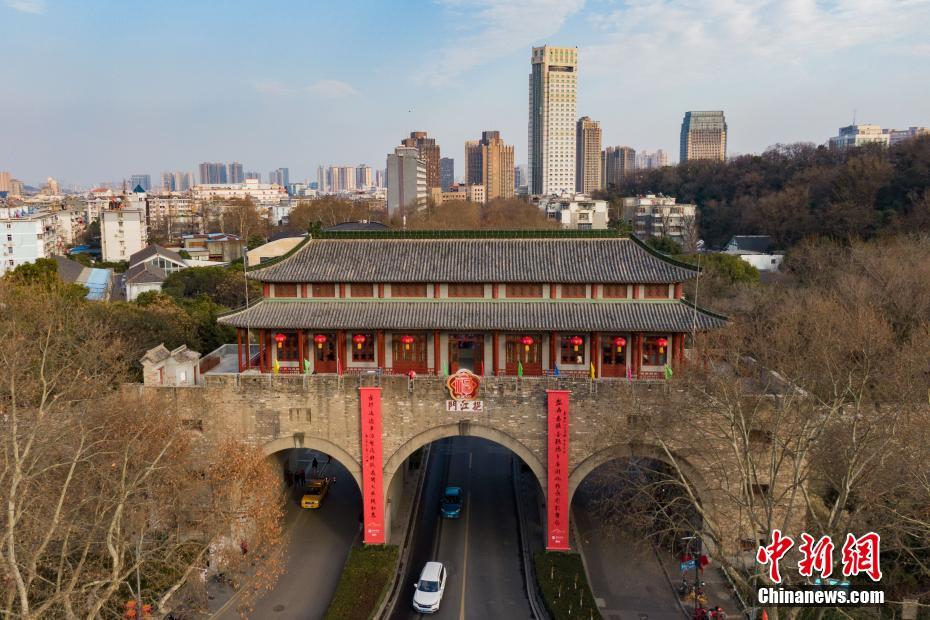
(145, 273)
(474, 315)
(617, 260)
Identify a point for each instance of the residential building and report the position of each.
(704, 136)
(618, 163)
(98, 282)
(896, 136)
(553, 89)
(123, 230)
(489, 163)
(27, 234)
(138, 180)
(236, 174)
(650, 161)
(148, 269)
(519, 177)
(52, 187)
(257, 176)
(176, 181)
(588, 173)
(5, 178)
(446, 173)
(859, 135)
(281, 177)
(321, 179)
(461, 191)
(263, 193)
(172, 214)
(347, 178)
(212, 173)
(755, 250)
(363, 176)
(406, 179)
(72, 223)
(660, 216)
(17, 188)
(381, 177)
(213, 247)
(429, 153)
(577, 211)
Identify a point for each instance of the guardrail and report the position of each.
(537, 606)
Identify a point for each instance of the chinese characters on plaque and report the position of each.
(557, 513)
(372, 496)
(476, 406)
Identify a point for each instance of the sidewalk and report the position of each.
(717, 587)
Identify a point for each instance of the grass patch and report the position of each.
(364, 581)
(564, 586)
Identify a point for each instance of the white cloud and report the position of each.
(27, 6)
(500, 27)
(330, 88)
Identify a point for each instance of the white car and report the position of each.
(429, 588)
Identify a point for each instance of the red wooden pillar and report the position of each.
(300, 350)
(380, 290)
(495, 354)
(552, 291)
(261, 350)
(380, 337)
(342, 289)
(303, 290)
(340, 351)
(553, 339)
(637, 354)
(436, 290)
(596, 354)
(678, 350)
(679, 290)
(494, 291)
(266, 290)
(437, 358)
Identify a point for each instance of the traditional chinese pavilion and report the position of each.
(494, 303)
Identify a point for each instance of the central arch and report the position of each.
(316, 443)
(454, 430)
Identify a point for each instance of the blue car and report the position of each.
(451, 505)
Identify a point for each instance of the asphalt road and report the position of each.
(318, 544)
(480, 550)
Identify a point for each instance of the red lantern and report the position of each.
(407, 340)
(527, 342)
(319, 339)
(359, 339)
(662, 342)
(280, 338)
(576, 341)
(619, 342)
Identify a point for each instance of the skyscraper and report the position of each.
(347, 177)
(406, 179)
(553, 84)
(588, 155)
(704, 136)
(446, 173)
(279, 177)
(489, 162)
(519, 176)
(142, 180)
(254, 175)
(362, 176)
(212, 172)
(332, 180)
(649, 161)
(617, 164)
(380, 177)
(167, 182)
(5, 184)
(236, 175)
(321, 183)
(429, 152)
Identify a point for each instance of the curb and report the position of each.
(529, 571)
(671, 585)
(389, 601)
(580, 548)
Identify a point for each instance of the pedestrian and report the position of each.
(314, 464)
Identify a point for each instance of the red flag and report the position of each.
(765, 615)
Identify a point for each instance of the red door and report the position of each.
(407, 356)
(528, 355)
(324, 353)
(466, 351)
(613, 354)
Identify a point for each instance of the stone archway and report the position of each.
(316, 443)
(397, 459)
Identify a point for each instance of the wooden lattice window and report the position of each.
(614, 291)
(285, 290)
(324, 290)
(574, 291)
(466, 290)
(655, 291)
(362, 290)
(524, 290)
(408, 290)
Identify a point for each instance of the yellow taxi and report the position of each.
(316, 490)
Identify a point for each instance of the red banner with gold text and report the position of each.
(557, 489)
(372, 495)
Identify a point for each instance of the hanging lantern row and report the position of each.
(527, 342)
(662, 342)
(407, 340)
(619, 342)
(320, 340)
(280, 338)
(576, 341)
(359, 340)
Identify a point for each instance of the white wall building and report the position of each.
(858, 135)
(406, 179)
(123, 232)
(552, 119)
(27, 236)
(660, 216)
(896, 136)
(755, 250)
(262, 193)
(577, 211)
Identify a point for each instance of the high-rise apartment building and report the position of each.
(332, 180)
(553, 90)
(236, 174)
(5, 181)
(167, 182)
(321, 179)
(141, 180)
(429, 152)
(519, 177)
(489, 163)
(617, 164)
(362, 176)
(347, 178)
(253, 175)
(446, 173)
(211, 173)
(588, 155)
(280, 177)
(646, 160)
(380, 177)
(704, 136)
(406, 179)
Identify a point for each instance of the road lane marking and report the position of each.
(465, 560)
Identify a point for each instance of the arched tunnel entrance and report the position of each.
(466, 516)
(635, 520)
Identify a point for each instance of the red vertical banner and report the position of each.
(372, 494)
(557, 489)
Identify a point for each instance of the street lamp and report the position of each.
(694, 558)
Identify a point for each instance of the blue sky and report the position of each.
(96, 91)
